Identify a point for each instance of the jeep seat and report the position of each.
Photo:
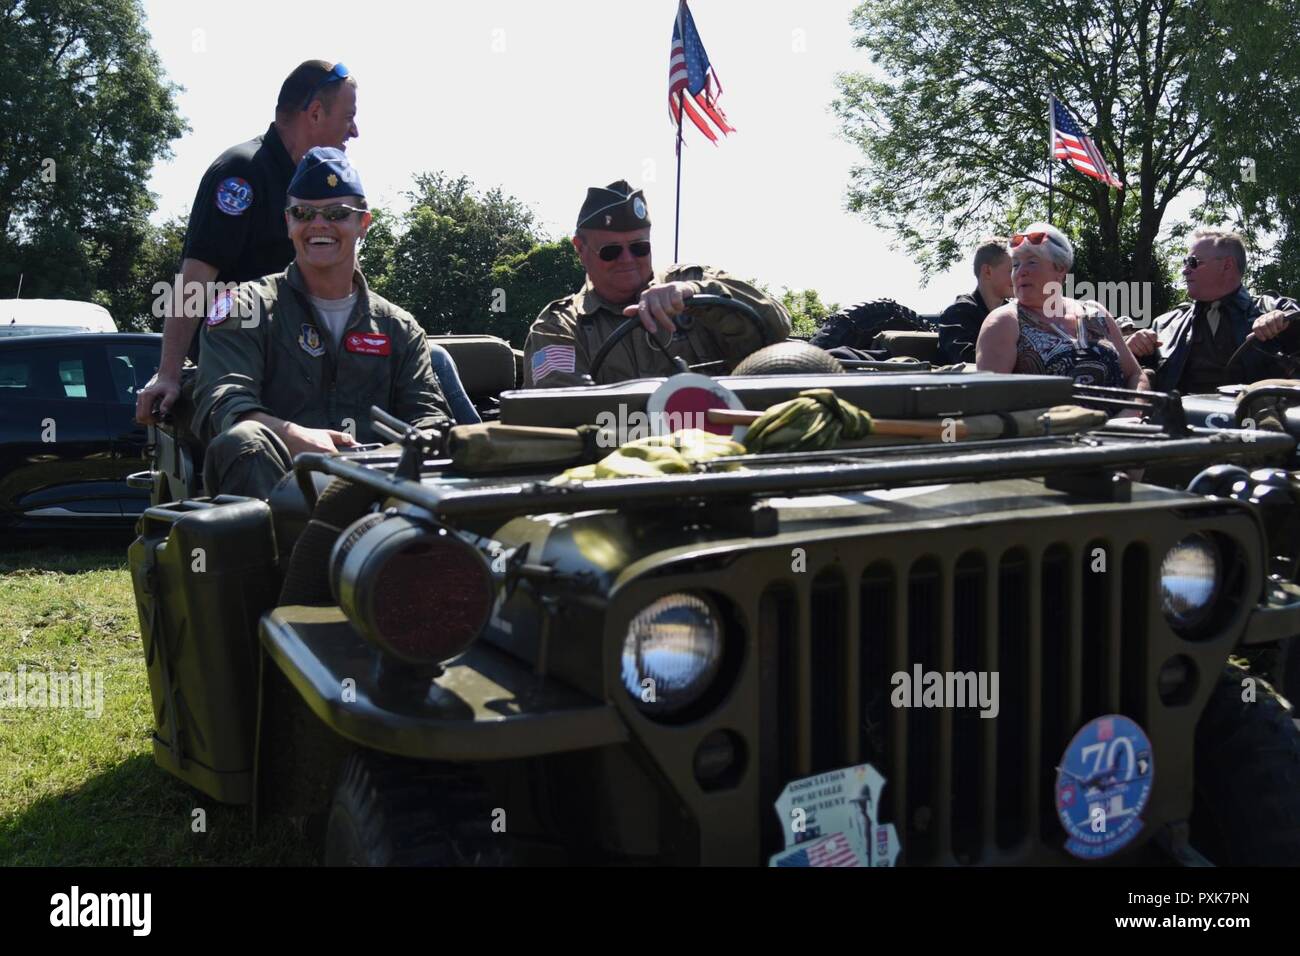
(919, 345)
(486, 365)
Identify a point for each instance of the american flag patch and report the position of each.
(552, 358)
(828, 851)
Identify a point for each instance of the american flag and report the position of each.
(1071, 144)
(553, 358)
(829, 851)
(691, 80)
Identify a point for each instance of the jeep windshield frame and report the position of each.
(1100, 452)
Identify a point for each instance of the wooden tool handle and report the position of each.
(897, 427)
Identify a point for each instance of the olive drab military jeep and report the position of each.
(441, 652)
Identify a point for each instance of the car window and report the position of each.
(72, 376)
(42, 373)
(13, 376)
(132, 364)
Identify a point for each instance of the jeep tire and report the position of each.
(1246, 803)
(392, 812)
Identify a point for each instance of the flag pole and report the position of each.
(1051, 151)
(681, 118)
(677, 220)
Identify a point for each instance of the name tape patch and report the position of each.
(368, 343)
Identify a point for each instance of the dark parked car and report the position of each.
(68, 438)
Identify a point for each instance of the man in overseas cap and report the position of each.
(613, 241)
(236, 230)
(293, 362)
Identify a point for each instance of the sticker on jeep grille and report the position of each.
(1102, 786)
(830, 820)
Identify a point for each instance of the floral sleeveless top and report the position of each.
(1089, 359)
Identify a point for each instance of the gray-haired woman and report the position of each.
(1041, 332)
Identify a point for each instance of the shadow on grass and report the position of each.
(136, 815)
(65, 553)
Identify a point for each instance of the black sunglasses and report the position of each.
(334, 213)
(640, 249)
(1191, 262)
(340, 72)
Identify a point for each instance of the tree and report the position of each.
(445, 248)
(954, 131)
(153, 256)
(461, 260)
(807, 311)
(1256, 183)
(85, 110)
(527, 283)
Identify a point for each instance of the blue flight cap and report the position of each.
(325, 173)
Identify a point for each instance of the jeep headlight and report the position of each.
(1189, 580)
(671, 653)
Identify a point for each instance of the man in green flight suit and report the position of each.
(292, 362)
(613, 241)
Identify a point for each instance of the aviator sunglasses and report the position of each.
(609, 253)
(1191, 262)
(335, 213)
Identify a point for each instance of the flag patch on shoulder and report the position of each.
(552, 358)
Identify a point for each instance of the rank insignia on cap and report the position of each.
(325, 173)
(616, 207)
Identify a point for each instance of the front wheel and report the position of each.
(1246, 808)
(392, 812)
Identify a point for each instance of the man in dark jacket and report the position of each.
(1191, 346)
(959, 325)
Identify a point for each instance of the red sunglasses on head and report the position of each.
(1035, 238)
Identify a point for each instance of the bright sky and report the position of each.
(547, 98)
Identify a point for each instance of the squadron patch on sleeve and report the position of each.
(222, 306)
(234, 196)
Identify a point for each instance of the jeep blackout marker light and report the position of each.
(420, 592)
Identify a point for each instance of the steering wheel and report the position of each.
(1289, 364)
(683, 322)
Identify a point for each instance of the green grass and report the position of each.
(80, 790)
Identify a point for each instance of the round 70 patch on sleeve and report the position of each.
(234, 196)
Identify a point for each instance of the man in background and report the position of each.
(959, 325)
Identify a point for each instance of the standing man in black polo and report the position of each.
(237, 228)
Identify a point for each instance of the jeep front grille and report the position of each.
(1068, 645)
